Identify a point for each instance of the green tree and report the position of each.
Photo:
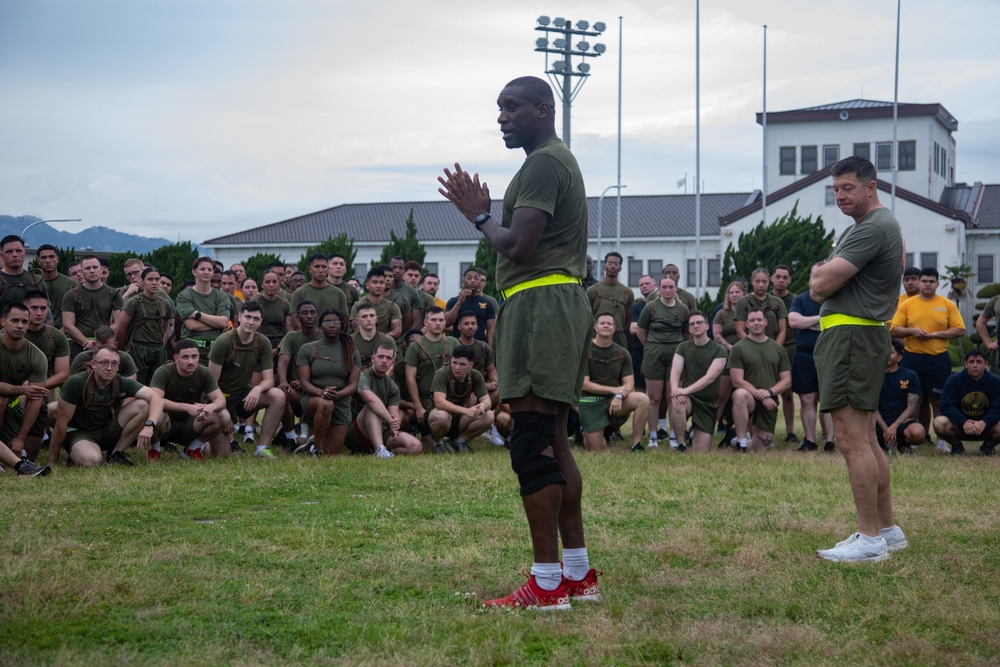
(790, 240)
(334, 245)
(66, 257)
(407, 247)
(256, 264)
(486, 258)
(116, 262)
(175, 259)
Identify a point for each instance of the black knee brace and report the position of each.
(533, 432)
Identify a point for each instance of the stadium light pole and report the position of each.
(562, 46)
(38, 222)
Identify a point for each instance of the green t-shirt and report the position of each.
(483, 355)
(774, 310)
(52, 342)
(426, 301)
(81, 360)
(400, 299)
(14, 288)
(92, 308)
(727, 320)
(367, 348)
(56, 289)
(384, 387)
(181, 389)
(550, 181)
(410, 295)
(238, 359)
(216, 302)
(664, 325)
(697, 361)
(428, 356)
(273, 311)
(614, 299)
(148, 316)
(608, 366)
(99, 414)
(290, 345)
(875, 247)
(350, 292)
(789, 331)
(760, 362)
(458, 392)
(681, 295)
(327, 296)
(385, 310)
(27, 364)
(327, 363)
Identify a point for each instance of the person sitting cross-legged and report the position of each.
(609, 395)
(461, 403)
(970, 406)
(376, 428)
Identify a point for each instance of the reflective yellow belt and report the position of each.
(13, 403)
(838, 320)
(551, 279)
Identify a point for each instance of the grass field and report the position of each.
(708, 560)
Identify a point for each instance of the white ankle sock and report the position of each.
(196, 444)
(155, 446)
(548, 576)
(576, 563)
(291, 435)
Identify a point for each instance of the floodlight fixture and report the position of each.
(582, 25)
(582, 46)
(559, 43)
(600, 48)
(583, 67)
(541, 43)
(559, 65)
(600, 27)
(559, 22)
(543, 21)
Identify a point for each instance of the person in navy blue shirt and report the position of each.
(896, 423)
(803, 316)
(970, 406)
(471, 300)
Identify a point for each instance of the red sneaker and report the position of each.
(194, 454)
(587, 589)
(153, 455)
(532, 596)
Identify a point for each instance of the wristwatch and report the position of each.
(771, 392)
(149, 422)
(618, 396)
(480, 219)
(197, 315)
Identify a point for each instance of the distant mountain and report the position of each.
(101, 239)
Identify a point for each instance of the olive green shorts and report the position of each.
(657, 360)
(703, 414)
(594, 415)
(763, 418)
(542, 338)
(105, 439)
(341, 411)
(13, 418)
(181, 429)
(850, 363)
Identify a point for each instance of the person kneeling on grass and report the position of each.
(92, 403)
(461, 403)
(376, 428)
(193, 423)
(970, 406)
(695, 375)
(760, 371)
(608, 396)
(896, 422)
(329, 369)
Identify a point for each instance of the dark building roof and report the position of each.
(860, 110)
(988, 213)
(643, 216)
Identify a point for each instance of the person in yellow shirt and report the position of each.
(925, 323)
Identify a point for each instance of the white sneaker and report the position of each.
(942, 447)
(495, 438)
(894, 538)
(653, 443)
(674, 444)
(857, 548)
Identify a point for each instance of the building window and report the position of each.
(714, 273)
(808, 160)
(830, 155)
(634, 271)
(928, 260)
(463, 267)
(907, 155)
(360, 272)
(937, 159)
(883, 156)
(831, 198)
(908, 260)
(984, 272)
(786, 165)
(863, 150)
(656, 269)
(431, 267)
(692, 273)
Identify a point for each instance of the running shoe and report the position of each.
(249, 437)
(28, 468)
(194, 454)
(265, 453)
(791, 439)
(894, 537)
(942, 447)
(585, 590)
(119, 459)
(153, 455)
(807, 446)
(305, 447)
(829, 447)
(987, 450)
(857, 548)
(532, 596)
(235, 447)
(661, 434)
(958, 450)
(638, 448)
(459, 445)
(495, 438)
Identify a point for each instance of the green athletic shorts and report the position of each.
(594, 415)
(850, 363)
(13, 417)
(106, 439)
(762, 417)
(181, 429)
(341, 411)
(657, 360)
(702, 415)
(542, 338)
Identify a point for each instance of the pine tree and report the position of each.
(334, 245)
(486, 258)
(407, 247)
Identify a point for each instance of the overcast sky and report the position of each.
(195, 118)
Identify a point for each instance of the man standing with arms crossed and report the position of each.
(857, 288)
(543, 335)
